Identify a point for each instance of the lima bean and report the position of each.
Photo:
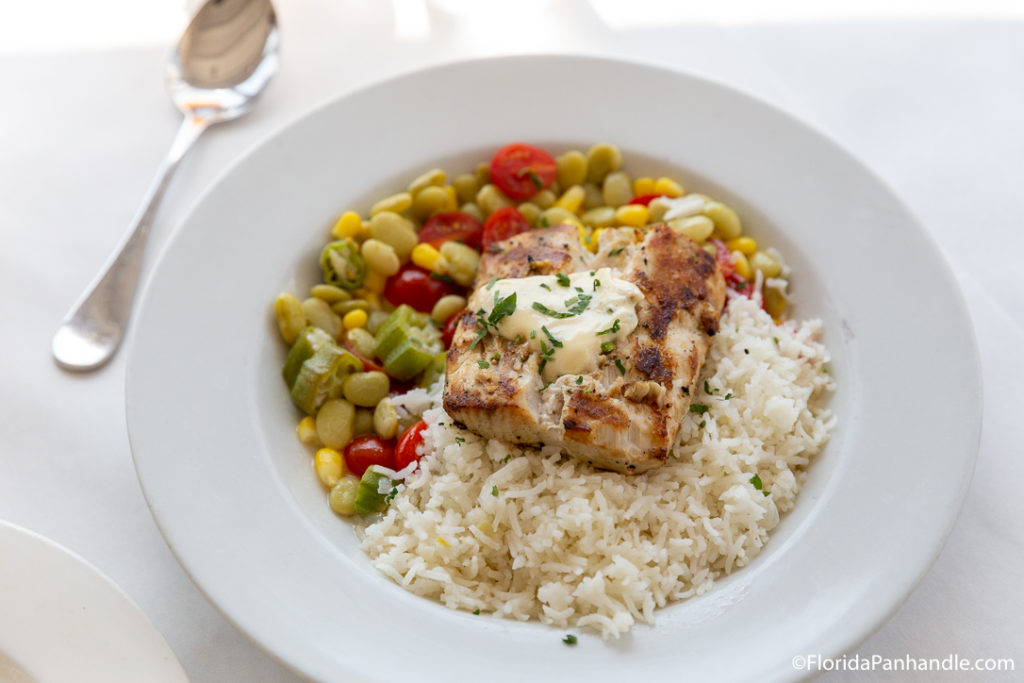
(334, 423)
(571, 168)
(319, 314)
(291, 318)
(602, 160)
(385, 419)
(343, 496)
(446, 307)
(381, 257)
(434, 176)
(617, 189)
(396, 231)
(366, 389)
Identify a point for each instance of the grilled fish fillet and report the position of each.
(623, 422)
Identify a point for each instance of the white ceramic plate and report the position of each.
(213, 431)
(62, 620)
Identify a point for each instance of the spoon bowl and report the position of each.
(224, 60)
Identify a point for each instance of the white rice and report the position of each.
(572, 546)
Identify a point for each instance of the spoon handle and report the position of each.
(92, 330)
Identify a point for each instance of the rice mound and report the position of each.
(529, 534)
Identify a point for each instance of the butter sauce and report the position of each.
(591, 309)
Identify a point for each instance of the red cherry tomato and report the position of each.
(448, 331)
(724, 258)
(368, 365)
(405, 451)
(414, 286)
(502, 224)
(645, 199)
(521, 171)
(452, 226)
(363, 451)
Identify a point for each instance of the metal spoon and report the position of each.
(223, 61)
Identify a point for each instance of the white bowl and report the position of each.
(213, 431)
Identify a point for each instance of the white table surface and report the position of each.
(936, 107)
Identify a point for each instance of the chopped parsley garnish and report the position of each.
(491, 283)
(538, 306)
(562, 278)
(544, 221)
(391, 496)
(554, 342)
(494, 491)
(579, 380)
(483, 364)
(481, 332)
(611, 330)
(476, 611)
(443, 277)
(507, 458)
(616, 252)
(546, 354)
(533, 334)
(776, 340)
(502, 308)
(618, 364)
(593, 273)
(518, 339)
(702, 423)
(460, 439)
(534, 178)
(578, 303)
(756, 481)
(597, 283)
(607, 347)
(570, 639)
(708, 390)
(727, 396)
(545, 286)
(698, 408)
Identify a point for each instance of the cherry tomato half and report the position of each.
(724, 258)
(521, 171)
(644, 199)
(363, 451)
(452, 226)
(368, 365)
(502, 224)
(414, 286)
(448, 331)
(405, 451)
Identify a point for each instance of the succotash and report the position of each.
(396, 279)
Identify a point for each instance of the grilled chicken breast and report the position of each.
(623, 415)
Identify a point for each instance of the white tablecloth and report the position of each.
(935, 107)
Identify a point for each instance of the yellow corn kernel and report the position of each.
(306, 431)
(353, 319)
(572, 199)
(744, 245)
(329, 465)
(643, 186)
(425, 256)
(371, 298)
(350, 225)
(741, 265)
(633, 215)
(374, 282)
(453, 197)
(668, 187)
(591, 241)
